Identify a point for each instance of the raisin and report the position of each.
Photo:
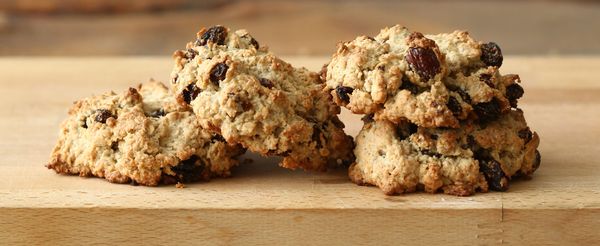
(190, 54)
(454, 106)
(424, 62)
(464, 95)
(514, 92)
(491, 54)
(217, 138)
(158, 113)
(537, 161)
(494, 175)
(189, 170)
(405, 132)
(409, 86)
(218, 73)
(102, 115)
(246, 105)
(114, 146)
(488, 111)
(491, 170)
(316, 136)
(215, 34)
(174, 79)
(190, 93)
(266, 83)
(367, 118)
(344, 93)
(471, 144)
(254, 43)
(84, 124)
(525, 134)
(412, 128)
(487, 79)
(433, 137)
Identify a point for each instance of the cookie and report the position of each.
(248, 95)
(141, 137)
(400, 158)
(430, 80)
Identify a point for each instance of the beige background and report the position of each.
(157, 27)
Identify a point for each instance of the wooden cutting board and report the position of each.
(263, 203)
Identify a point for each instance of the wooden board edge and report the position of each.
(65, 226)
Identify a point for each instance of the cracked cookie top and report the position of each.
(141, 136)
(431, 80)
(248, 95)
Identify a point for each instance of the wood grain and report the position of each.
(266, 204)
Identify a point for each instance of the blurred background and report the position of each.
(158, 27)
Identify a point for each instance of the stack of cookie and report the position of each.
(228, 94)
(439, 116)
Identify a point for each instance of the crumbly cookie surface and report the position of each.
(431, 80)
(400, 158)
(248, 95)
(141, 137)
